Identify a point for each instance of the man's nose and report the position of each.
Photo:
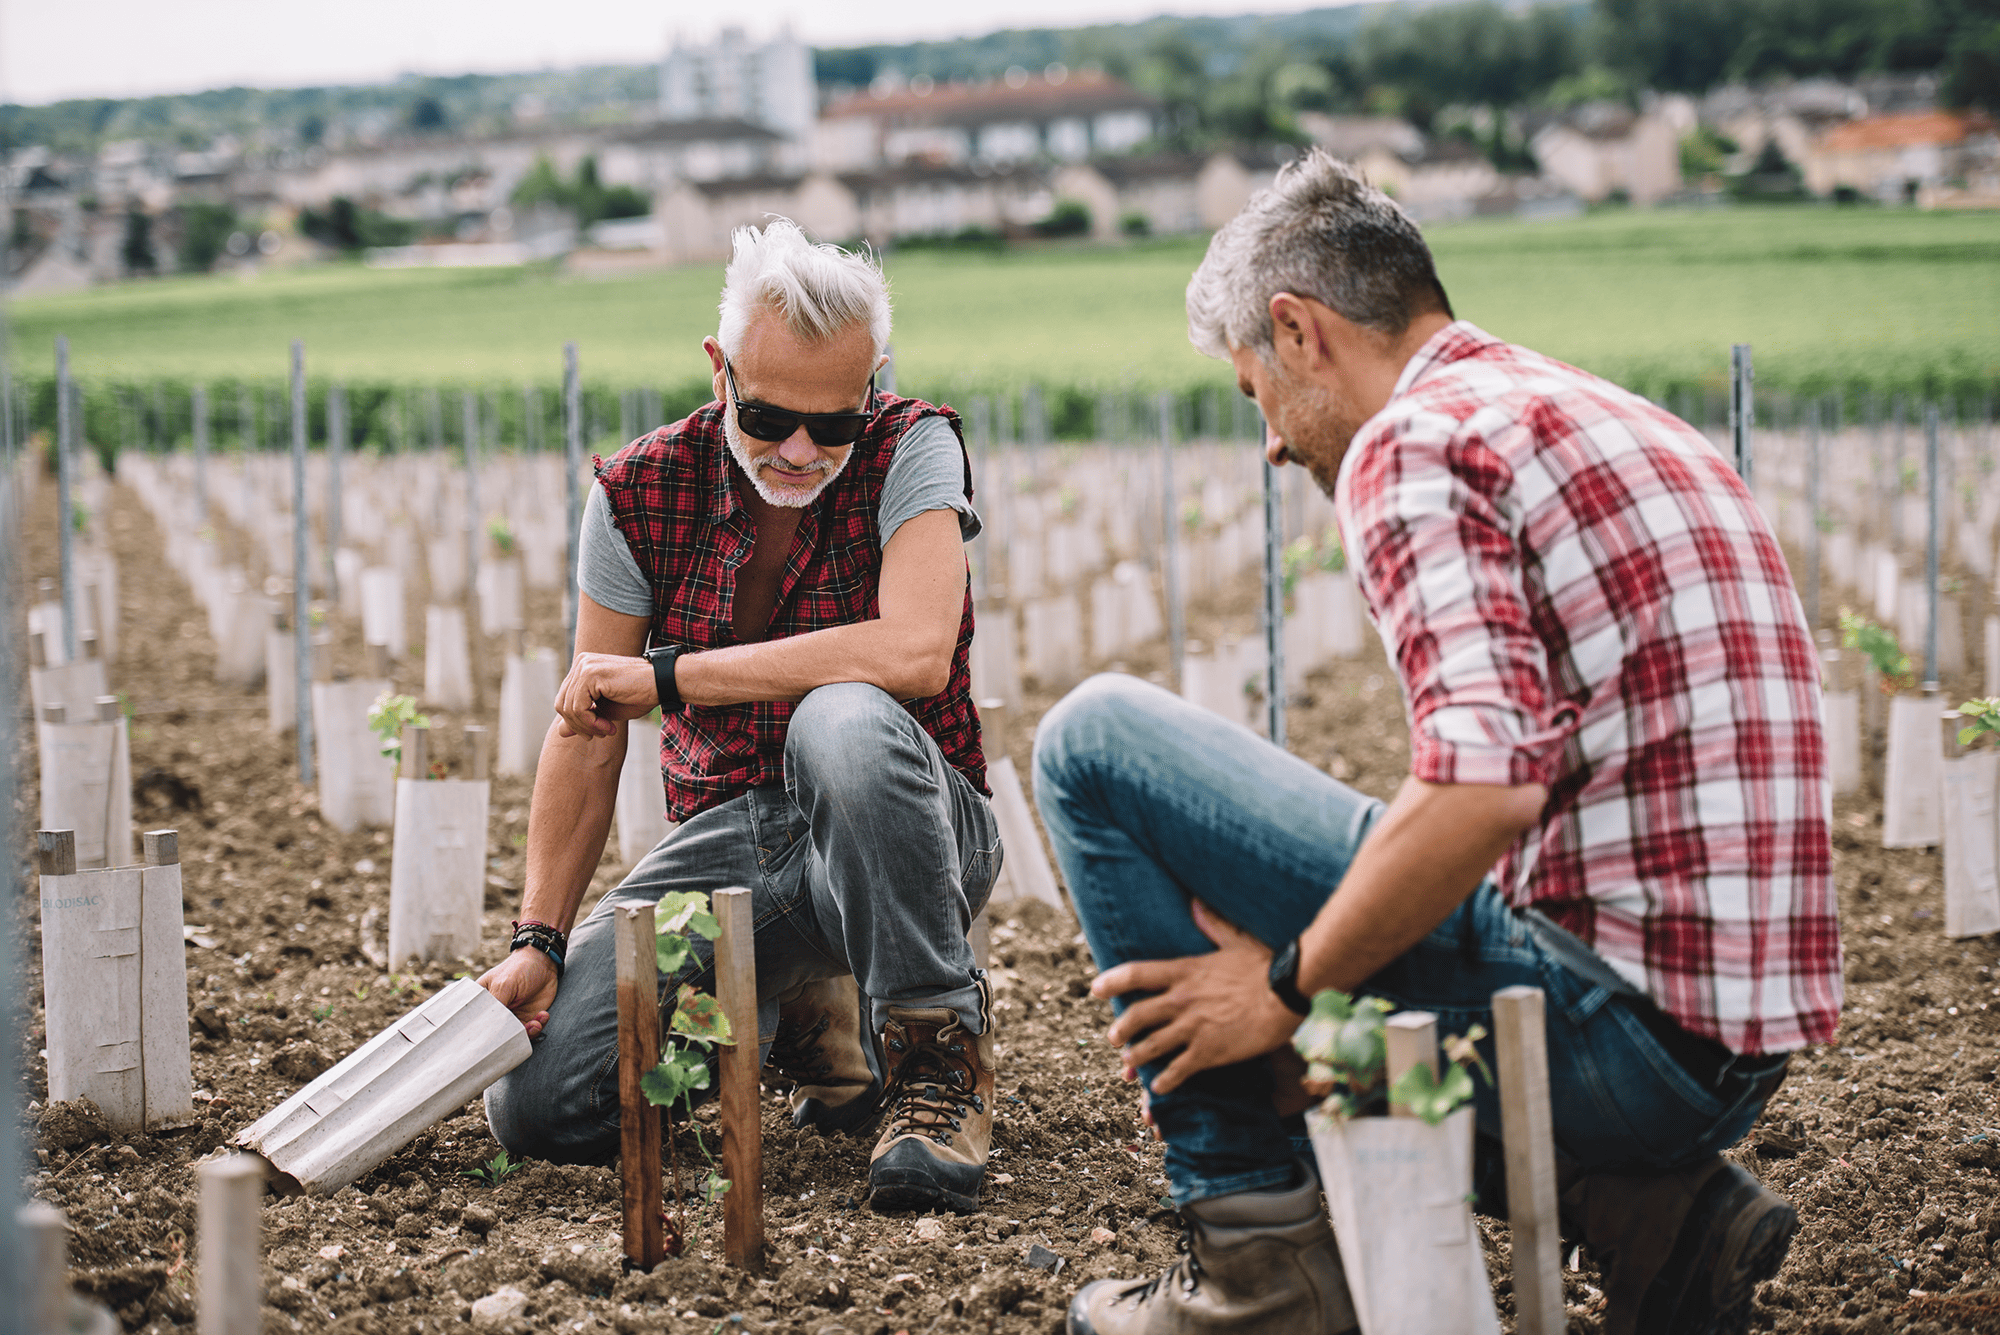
(1274, 449)
(798, 450)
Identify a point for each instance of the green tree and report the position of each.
(1679, 45)
(136, 250)
(427, 115)
(205, 230)
(1972, 68)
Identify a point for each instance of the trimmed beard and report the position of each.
(754, 471)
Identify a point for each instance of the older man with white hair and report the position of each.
(782, 574)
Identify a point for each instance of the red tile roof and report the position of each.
(1907, 129)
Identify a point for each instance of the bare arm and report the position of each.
(576, 790)
(906, 651)
(1427, 853)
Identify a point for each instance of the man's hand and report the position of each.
(525, 983)
(602, 692)
(1217, 1008)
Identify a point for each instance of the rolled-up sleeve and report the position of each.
(1425, 511)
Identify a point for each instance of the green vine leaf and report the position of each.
(1985, 718)
(699, 1016)
(683, 1071)
(1432, 1097)
(1881, 646)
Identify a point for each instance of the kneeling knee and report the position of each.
(1086, 724)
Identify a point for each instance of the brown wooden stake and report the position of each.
(638, 1053)
(1412, 1040)
(478, 752)
(742, 1121)
(1528, 1133)
(55, 852)
(416, 758)
(378, 660)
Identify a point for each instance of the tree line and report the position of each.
(1249, 78)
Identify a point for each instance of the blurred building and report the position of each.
(1931, 157)
(768, 84)
(1057, 115)
(1605, 149)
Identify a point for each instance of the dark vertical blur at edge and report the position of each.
(13, 1289)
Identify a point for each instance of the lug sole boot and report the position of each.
(1682, 1254)
(822, 1047)
(932, 1154)
(1257, 1263)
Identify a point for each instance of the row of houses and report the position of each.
(741, 130)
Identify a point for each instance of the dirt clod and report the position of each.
(64, 1126)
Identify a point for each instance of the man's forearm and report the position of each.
(910, 663)
(1428, 851)
(576, 791)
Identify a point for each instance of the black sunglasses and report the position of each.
(761, 421)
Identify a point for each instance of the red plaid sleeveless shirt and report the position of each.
(672, 494)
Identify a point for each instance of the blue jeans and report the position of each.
(1150, 801)
(872, 858)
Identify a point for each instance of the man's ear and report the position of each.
(714, 351)
(1295, 333)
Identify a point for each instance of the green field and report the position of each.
(1888, 299)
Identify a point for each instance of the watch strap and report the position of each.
(1284, 978)
(663, 658)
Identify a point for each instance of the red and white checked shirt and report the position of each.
(1578, 591)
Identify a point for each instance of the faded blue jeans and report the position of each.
(1150, 800)
(872, 858)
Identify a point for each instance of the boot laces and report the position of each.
(795, 1051)
(935, 1084)
(1185, 1271)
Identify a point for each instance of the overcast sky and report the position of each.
(52, 49)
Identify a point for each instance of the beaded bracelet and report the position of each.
(543, 937)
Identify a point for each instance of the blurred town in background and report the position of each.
(1154, 128)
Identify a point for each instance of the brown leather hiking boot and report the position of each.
(1257, 1263)
(820, 1048)
(940, 1102)
(1681, 1254)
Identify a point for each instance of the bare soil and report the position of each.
(1887, 1139)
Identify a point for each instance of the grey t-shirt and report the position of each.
(928, 473)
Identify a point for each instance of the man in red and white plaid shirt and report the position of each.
(1618, 794)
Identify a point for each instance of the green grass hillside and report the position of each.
(1892, 300)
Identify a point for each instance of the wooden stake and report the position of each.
(638, 1053)
(478, 749)
(1527, 1129)
(55, 852)
(742, 1124)
(416, 753)
(378, 660)
(232, 1274)
(162, 847)
(1412, 1038)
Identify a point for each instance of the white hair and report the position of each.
(818, 289)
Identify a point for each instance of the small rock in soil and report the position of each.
(496, 1309)
(477, 1219)
(1041, 1258)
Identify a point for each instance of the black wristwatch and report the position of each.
(662, 659)
(1285, 979)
